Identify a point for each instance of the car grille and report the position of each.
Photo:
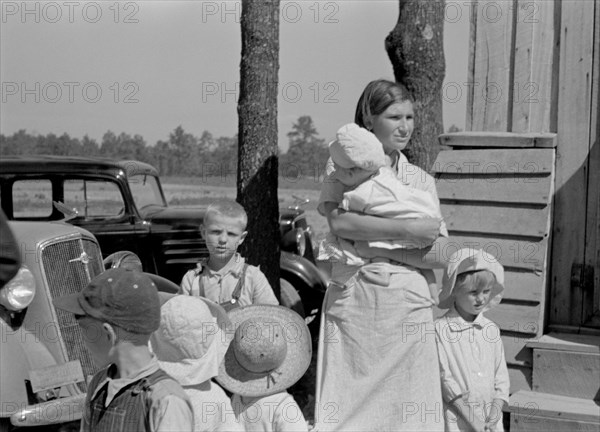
(67, 273)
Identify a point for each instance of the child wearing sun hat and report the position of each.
(269, 351)
(475, 382)
(190, 345)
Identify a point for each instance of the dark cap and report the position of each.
(125, 298)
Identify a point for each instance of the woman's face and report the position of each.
(394, 126)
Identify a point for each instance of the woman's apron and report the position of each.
(377, 365)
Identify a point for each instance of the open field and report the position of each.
(183, 191)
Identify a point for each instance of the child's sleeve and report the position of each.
(451, 389)
(501, 378)
(430, 187)
(262, 293)
(331, 189)
(186, 283)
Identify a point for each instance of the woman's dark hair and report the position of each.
(377, 96)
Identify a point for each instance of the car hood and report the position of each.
(190, 217)
(193, 216)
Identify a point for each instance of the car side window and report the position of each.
(32, 199)
(94, 199)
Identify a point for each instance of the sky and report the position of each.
(146, 67)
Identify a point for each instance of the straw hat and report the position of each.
(469, 260)
(190, 342)
(270, 350)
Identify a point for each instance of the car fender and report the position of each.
(23, 351)
(294, 267)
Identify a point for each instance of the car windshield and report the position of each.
(146, 191)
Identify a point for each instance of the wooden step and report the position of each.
(567, 365)
(533, 411)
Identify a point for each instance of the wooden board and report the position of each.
(534, 404)
(533, 66)
(568, 342)
(516, 317)
(496, 219)
(527, 423)
(501, 139)
(494, 188)
(591, 298)
(491, 81)
(528, 162)
(520, 378)
(516, 351)
(575, 90)
(514, 253)
(471, 66)
(567, 373)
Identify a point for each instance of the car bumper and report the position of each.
(61, 410)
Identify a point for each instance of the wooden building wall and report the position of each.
(534, 68)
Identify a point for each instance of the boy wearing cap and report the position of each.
(117, 312)
(475, 382)
(190, 345)
(224, 277)
(360, 163)
(269, 351)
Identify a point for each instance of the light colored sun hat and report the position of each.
(470, 260)
(270, 350)
(355, 146)
(190, 342)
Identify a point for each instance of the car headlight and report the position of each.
(294, 241)
(19, 292)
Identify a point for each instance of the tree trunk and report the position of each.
(415, 48)
(257, 135)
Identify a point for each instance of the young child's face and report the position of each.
(223, 235)
(352, 176)
(470, 300)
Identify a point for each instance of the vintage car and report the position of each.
(43, 362)
(122, 203)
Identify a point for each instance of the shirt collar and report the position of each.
(234, 266)
(115, 385)
(398, 163)
(457, 323)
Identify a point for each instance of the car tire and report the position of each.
(290, 297)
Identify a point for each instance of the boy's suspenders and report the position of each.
(237, 292)
(235, 296)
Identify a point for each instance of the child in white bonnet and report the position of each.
(360, 162)
(475, 382)
(190, 345)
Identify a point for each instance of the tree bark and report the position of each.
(416, 49)
(257, 135)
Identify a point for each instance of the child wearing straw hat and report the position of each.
(270, 350)
(474, 375)
(225, 277)
(190, 344)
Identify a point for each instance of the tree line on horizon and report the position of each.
(182, 154)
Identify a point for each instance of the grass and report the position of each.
(193, 191)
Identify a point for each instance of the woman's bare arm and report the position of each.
(359, 226)
(430, 257)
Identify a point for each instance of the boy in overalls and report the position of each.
(117, 312)
(224, 277)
